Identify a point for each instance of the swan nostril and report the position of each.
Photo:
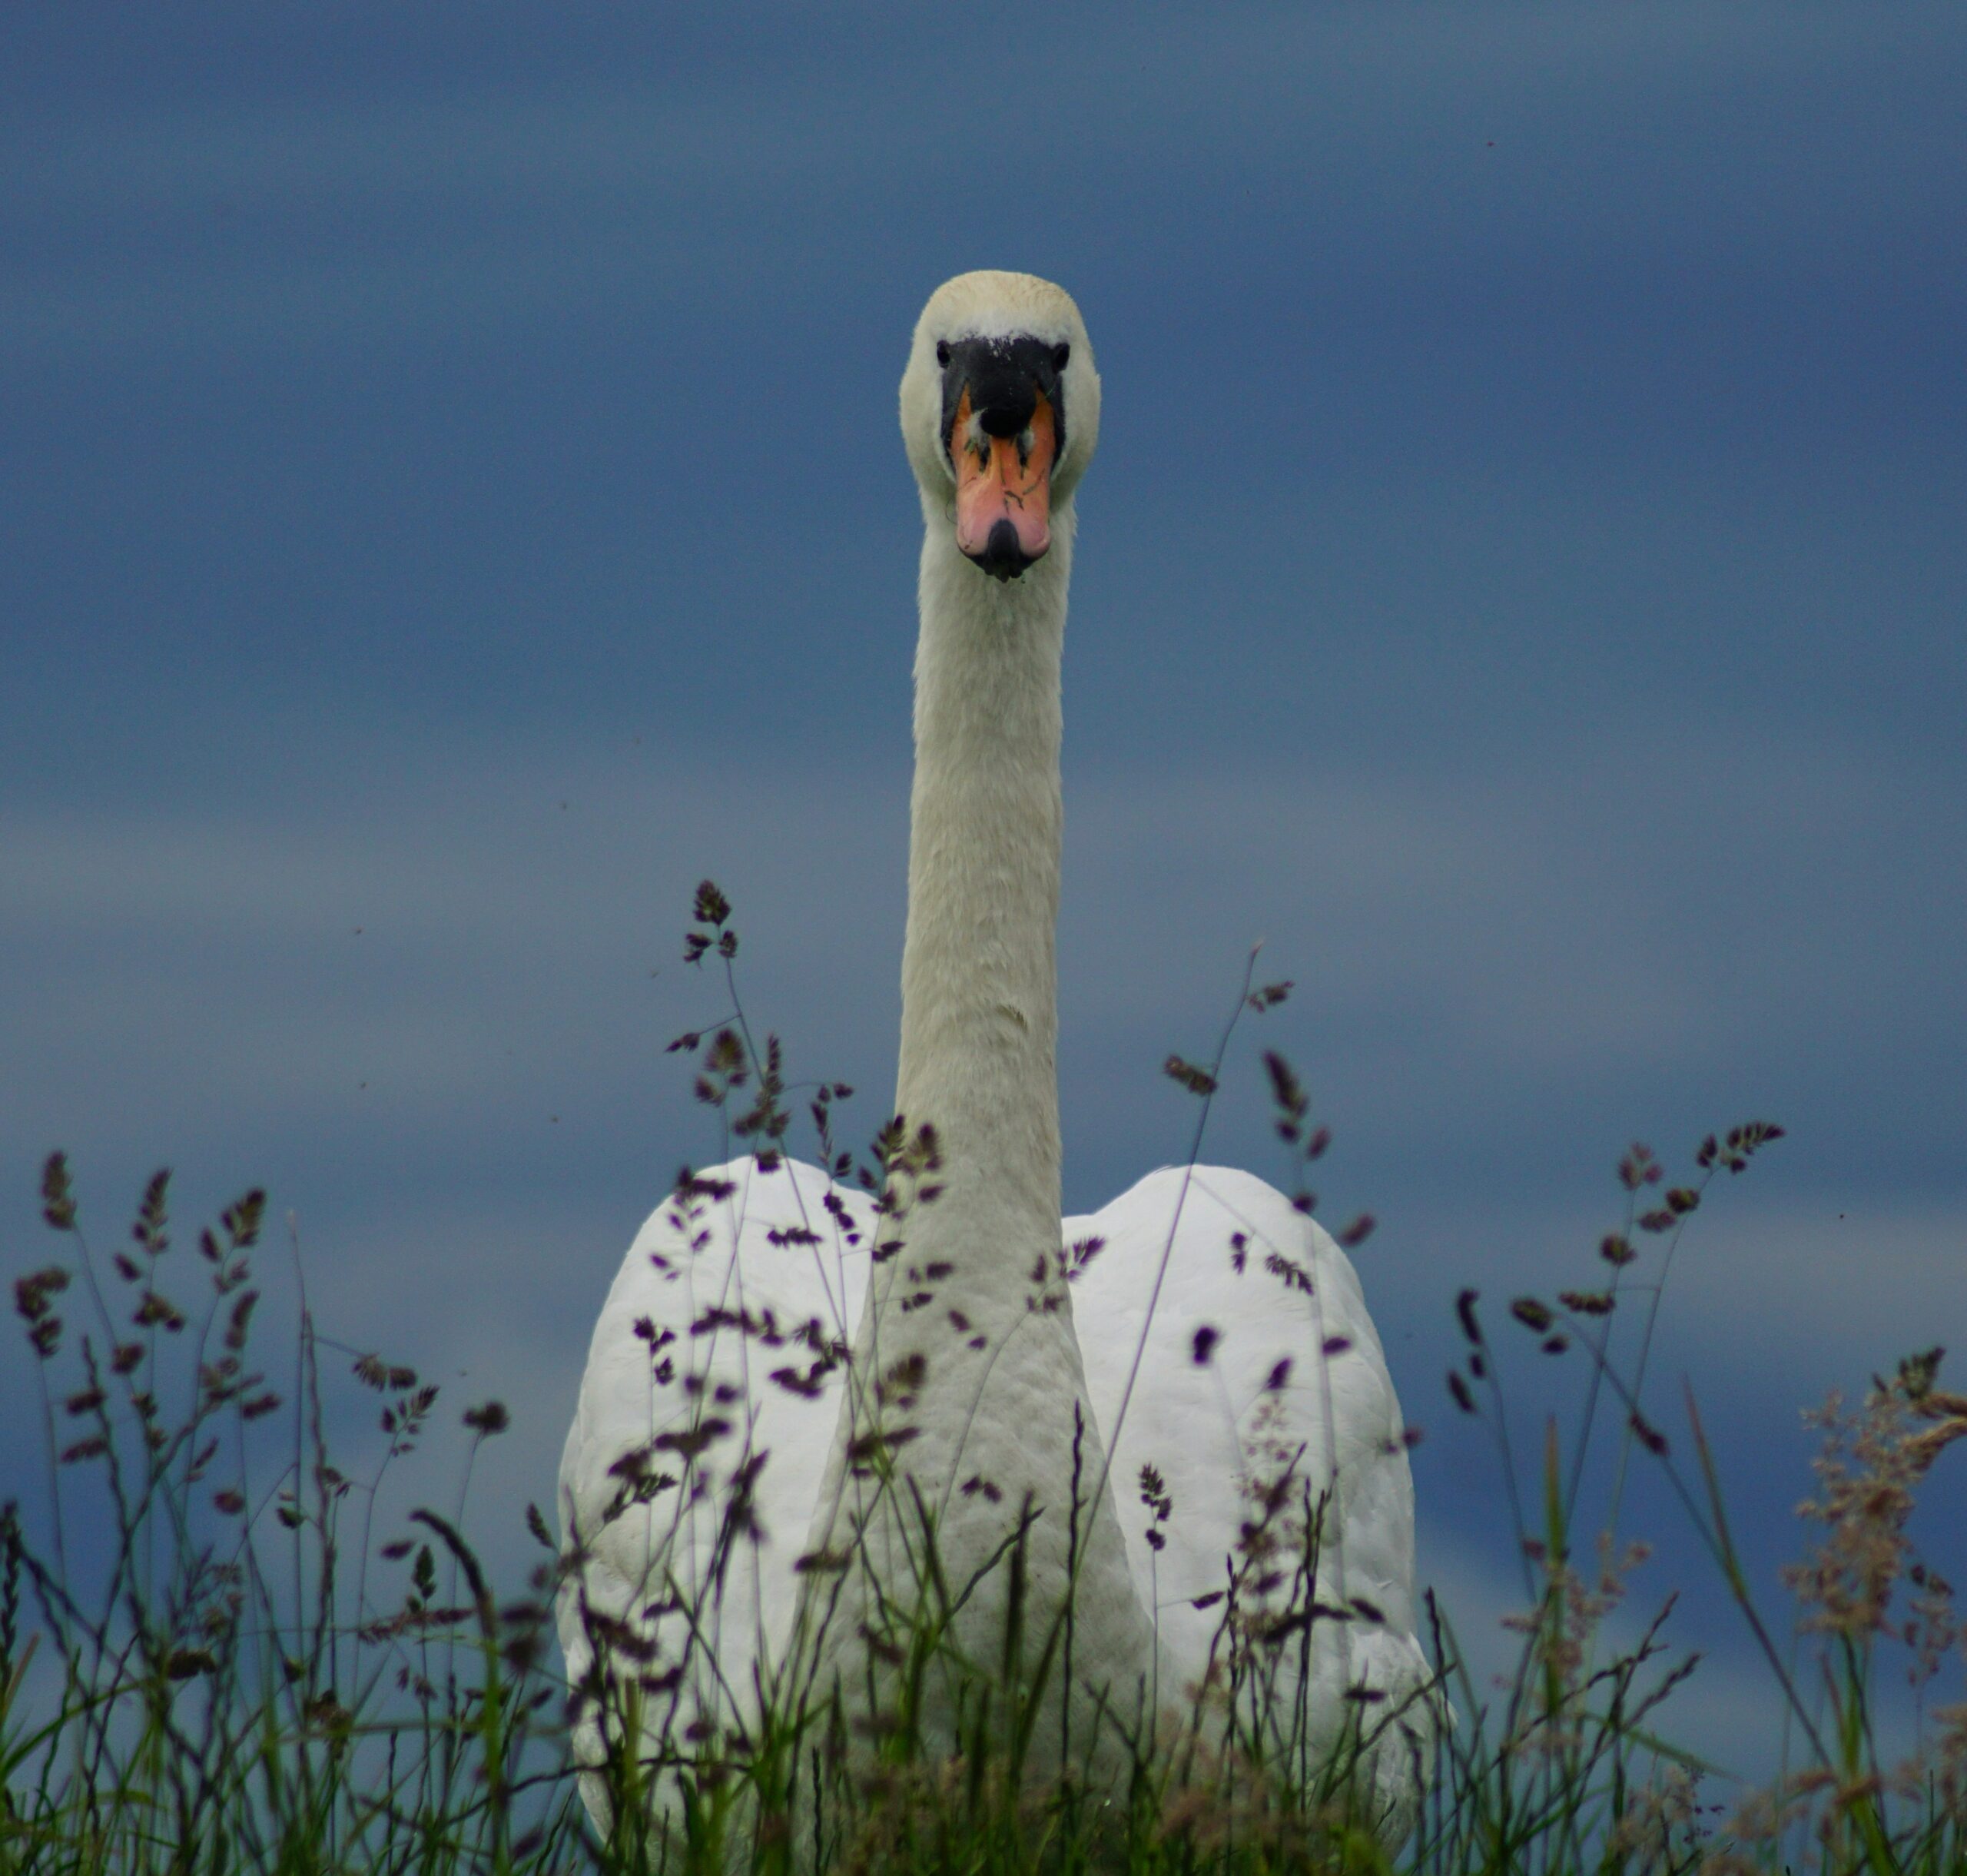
(1003, 556)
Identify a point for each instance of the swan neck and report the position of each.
(978, 1024)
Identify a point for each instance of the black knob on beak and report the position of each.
(1004, 377)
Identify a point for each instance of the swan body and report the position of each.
(710, 1304)
(788, 1383)
(1286, 1443)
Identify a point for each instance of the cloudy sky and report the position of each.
(450, 502)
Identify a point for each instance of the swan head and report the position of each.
(1000, 412)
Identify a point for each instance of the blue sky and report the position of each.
(450, 502)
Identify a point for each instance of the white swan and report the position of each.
(720, 1360)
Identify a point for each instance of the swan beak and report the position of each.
(1004, 489)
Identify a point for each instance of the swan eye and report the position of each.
(943, 352)
(1060, 353)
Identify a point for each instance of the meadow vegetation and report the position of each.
(212, 1659)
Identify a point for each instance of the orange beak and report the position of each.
(1004, 489)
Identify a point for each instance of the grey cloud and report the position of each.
(1502, 941)
(248, 223)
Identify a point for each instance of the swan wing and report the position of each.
(1254, 1385)
(706, 1414)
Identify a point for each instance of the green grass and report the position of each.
(200, 1667)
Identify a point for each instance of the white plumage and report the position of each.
(713, 1447)
(1216, 1432)
(1295, 1387)
(671, 1358)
